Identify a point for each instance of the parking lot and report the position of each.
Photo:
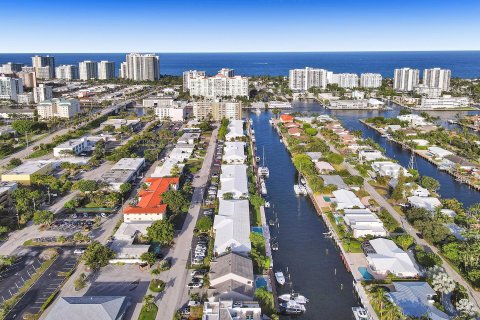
(46, 285)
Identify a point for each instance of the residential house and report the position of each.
(324, 167)
(295, 132)
(363, 222)
(346, 199)
(234, 181)
(89, 307)
(234, 153)
(428, 203)
(286, 118)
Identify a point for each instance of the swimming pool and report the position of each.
(365, 274)
(258, 230)
(327, 199)
(260, 282)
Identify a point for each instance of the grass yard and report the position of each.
(148, 314)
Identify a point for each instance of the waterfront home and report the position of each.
(363, 222)
(385, 257)
(392, 127)
(292, 125)
(234, 181)
(411, 188)
(453, 161)
(314, 156)
(369, 155)
(448, 213)
(231, 278)
(416, 300)
(232, 227)
(247, 310)
(420, 142)
(235, 130)
(324, 167)
(388, 168)
(438, 152)
(335, 180)
(296, 132)
(346, 199)
(414, 120)
(285, 118)
(428, 203)
(234, 152)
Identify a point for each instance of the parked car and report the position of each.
(79, 251)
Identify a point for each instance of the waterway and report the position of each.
(313, 262)
(450, 188)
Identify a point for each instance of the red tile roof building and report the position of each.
(150, 206)
(286, 118)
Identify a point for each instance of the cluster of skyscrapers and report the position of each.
(434, 81)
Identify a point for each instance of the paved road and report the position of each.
(409, 229)
(176, 293)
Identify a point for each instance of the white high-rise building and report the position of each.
(345, 80)
(40, 63)
(67, 72)
(58, 108)
(226, 72)
(25, 98)
(437, 78)
(219, 86)
(141, 67)
(10, 88)
(11, 68)
(88, 70)
(370, 80)
(106, 70)
(406, 79)
(191, 74)
(123, 70)
(303, 79)
(42, 93)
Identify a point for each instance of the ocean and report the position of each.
(464, 64)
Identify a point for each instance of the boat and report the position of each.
(452, 121)
(263, 170)
(280, 278)
(274, 246)
(293, 296)
(271, 122)
(258, 111)
(300, 190)
(250, 121)
(257, 159)
(360, 313)
(263, 187)
(291, 307)
(267, 204)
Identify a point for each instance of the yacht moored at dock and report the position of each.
(263, 187)
(293, 296)
(292, 308)
(280, 278)
(300, 189)
(360, 313)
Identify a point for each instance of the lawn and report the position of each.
(148, 314)
(157, 285)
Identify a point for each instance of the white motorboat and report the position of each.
(263, 187)
(280, 278)
(271, 122)
(250, 121)
(360, 313)
(267, 204)
(274, 246)
(257, 159)
(263, 170)
(300, 189)
(293, 296)
(258, 111)
(292, 307)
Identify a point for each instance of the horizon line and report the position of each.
(234, 52)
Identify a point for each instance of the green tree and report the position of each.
(204, 224)
(80, 282)
(161, 231)
(125, 188)
(148, 302)
(404, 241)
(430, 183)
(266, 300)
(311, 131)
(399, 190)
(334, 158)
(149, 257)
(453, 204)
(24, 126)
(176, 200)
(14, 162)
(86, 185)
(43, 217)
(97, 255)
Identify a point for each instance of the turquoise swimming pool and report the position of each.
(365, 274)
(261, 283)
(258, 230)
(327, 199)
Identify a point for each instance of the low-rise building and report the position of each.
(231, 278)
(232, 227)
(234, 181)
(388, 169)
(413, 120)
(438, 152)
(235, 130)
(324, 167)
(445, 102)
(24, 172)
(416, 300)
(71, 147)
(6, 189)
(346, 199)
(363, 223)
(124, 171)
(369, 155)
(387, 258)
(89, 307)
(123, 242)
(427, 203)
(149, 206)
(228, 310)
(188, 138)
(119, 123)
(314, 156)
(234, 153)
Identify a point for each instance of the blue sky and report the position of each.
(239, 25)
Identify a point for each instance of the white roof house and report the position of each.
(439, 152)
(428, 203)
(181, 154)
(323, 166)
(232, 227)
(233, 179)
(234, 152)
(71, 147)
(314, 156)
(165, 170)
(346, 199)
(235, 130)
(413, 188)
(369, 155)
(134, 164)
(388, 168)
(363, 223)
(188, 138)
(413, 120)
(388, 258)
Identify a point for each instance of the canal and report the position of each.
(313, 262)
(450, 188)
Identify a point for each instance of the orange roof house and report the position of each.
(286, 118)
(292, 125)
(150, 206)
(295, 132)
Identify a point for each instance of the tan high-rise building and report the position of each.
(29, 79)
(40, 62)
(141, 67)
(217, 110)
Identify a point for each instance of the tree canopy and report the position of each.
(161, 231)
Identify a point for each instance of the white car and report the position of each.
(78, 251)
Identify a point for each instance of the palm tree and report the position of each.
(392, 311)
(377, 295)
(148, 302)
